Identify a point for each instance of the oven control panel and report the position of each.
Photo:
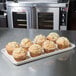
(63, 18)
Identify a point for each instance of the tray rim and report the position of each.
(3, 51)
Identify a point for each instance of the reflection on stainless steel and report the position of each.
(20, 20)
(32, 69)
(22, 25)
(50, 62)
(65, 57)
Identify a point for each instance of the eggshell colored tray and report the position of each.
(30, 59)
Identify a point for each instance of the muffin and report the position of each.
(11, 46)
(26, 43)
(35, 50)
(62, 42)
(39, 39)
(19, 54)
(49, 46)
(53, 36)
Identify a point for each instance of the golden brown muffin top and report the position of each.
(35, 48)
(53, 36)
(19, 52)
(13, 44)
(26, 42)
(63, 41)
(39, 39)
(49, 45)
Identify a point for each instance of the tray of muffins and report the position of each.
(41, 47)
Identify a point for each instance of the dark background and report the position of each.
(72, 15)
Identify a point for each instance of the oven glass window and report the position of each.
(45, 20)
(19, 20)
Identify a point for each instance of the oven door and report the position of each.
(47, 18)
(19, 17)
(19, 20)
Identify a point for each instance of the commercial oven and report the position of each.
(47, 18)
(20, 15)
(39, 15)
(51, 16)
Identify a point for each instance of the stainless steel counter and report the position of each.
(59, 65)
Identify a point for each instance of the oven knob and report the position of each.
(63, 15)
(63, 21)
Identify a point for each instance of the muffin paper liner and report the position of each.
(43, 55)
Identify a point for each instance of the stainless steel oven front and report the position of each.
(37, 15)
(20, 15)
(51, 16)
(47, 18)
